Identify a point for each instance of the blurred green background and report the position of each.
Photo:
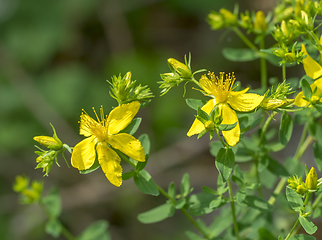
(55, 59)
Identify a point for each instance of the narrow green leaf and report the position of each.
(185, 185)
(53, 227)
(225, 161)
(257, 203)
(94, 167)
(294, 199)
(145, 183)
(226, 127)
(199, 204)
(193, 236)
(215, 203)
(96, 231)
(264, 234)
(306, 88)
(308, 225)
(286, 128)
(302, 237)
(145, 142)
(237, 176)
(202, 115)
(172, 190)
(157, 214)
(127, 175)
(195, 103)
(180, 203)
(209, 190)
(317, 150)
(240, 54)
(277, 168)
(133, 126)
(52, 203)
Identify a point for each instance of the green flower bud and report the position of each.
(315, 99)
(216, 20)
(20, 184)
(260, 24)
(290, 57)
(182, 69)
(311, 179)
(49, 142)
(229, 17)
(210, 125)
(301, 189)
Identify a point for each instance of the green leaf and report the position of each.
(306, 89)
(286, 128)
(257, 203)
(238, 177)
(202, 115)
(264, 234)
(96, 231)
(215, 203)
(157, 214)
(94, 167)
(128, 175)
(277, 168)
(145, 142)
(180, 203)
(172, 190)
(53, 227)
(294, 199)
(239, 54)
(193, 236)
(133, 126)
(199, 204)
(317, 150)
(225, 161)
(185, 185)
(240, 196)
(226, 127)
(52, 203)
(308, 225)
(195, 103)
(209, 190)
(302, 237)
(145, 183)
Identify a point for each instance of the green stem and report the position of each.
(302, 146)
(265, 127)
(232, 204)
(297, 221)
(263, 65)
(222, 141)
(245, 39)
(283, 71)
(184, 211)
(67, 234)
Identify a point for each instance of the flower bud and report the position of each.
(229, 17)
(216, 20)
(182, 69)
(311, 179)
(20, 184)
(300, 189)
(315, 99)
(210, 125)
(49, 142)
(290, 57)
(260, 24)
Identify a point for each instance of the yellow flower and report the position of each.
(313, 70)
(227, 101)
(104, 134)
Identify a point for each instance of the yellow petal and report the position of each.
(311, 67)
(207, 84)
(244, 102)
(110, 163)
(83, 155)
(128, 145)
(121, 116)
(197, 126)
(230, 117)
(85, 122)
(232, 93)
(299, 101)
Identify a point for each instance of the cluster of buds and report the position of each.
(312, 183)
(54, 145)
(285, 32)
(222, 19)
(278, 97)
(288, 56)
(180, 72)
(28, 193)
(124, 90)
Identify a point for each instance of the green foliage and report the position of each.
(96, 231)
(157, 214)
(225, 161)
(145, 183)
